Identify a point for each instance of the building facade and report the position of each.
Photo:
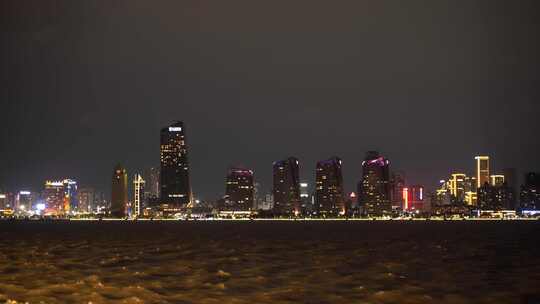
(119, 192)
(174, 175)
(87, 198)
(482, 170)
(329, 192)
(286, 186)
(374, 189)
(239, 190)
(60, 197)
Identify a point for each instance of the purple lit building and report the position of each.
(374, 188)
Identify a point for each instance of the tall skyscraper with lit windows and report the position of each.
(119, 192)
(374, 189)
(329, 192)
(239, 189)
(482, 170)
(60, 196)
(286, 186)
(175, 183)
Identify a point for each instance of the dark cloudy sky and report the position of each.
(430, 84)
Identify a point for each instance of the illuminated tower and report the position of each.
(329, 195)
(374, 189)
(119, 193)
(60, 196)
(138, 194)
(286, 188)
(239, 189)
(457, 186)
(482, 170)
(53, 194)
(175, 184)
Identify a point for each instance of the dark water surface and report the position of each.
(270, 262)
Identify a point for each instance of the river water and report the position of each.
(270, 262)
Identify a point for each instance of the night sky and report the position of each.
(430, 84)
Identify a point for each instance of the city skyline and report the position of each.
(240, 151)
(77, 99)
(168, 148)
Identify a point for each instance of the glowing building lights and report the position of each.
(405, 198)
(482, 170)
(329, 195)
(497, 180)
(175, 182)
(138, 188)
(239, 189)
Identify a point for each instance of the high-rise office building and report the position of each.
(239, 189)
(175, 183)
(53, 195)
(329, 192)
(374, 189)
(305, 199)
(494, 198)
(119, 193)
(286, 190)
(70, 190)
(60, 196)
(138, 195)
(86, 197)
(151, 177)
(25, 200)
(457, 186)
(482, 170)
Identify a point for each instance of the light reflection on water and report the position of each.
(269, 262)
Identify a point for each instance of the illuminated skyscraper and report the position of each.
(239, 189)
(286, 188)
(457, 186)
(138, 195)
(175, 184)
(53, 194)
(119, 193)
(374, 189)
(482, 170)
(60, 196)
(329, 194)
